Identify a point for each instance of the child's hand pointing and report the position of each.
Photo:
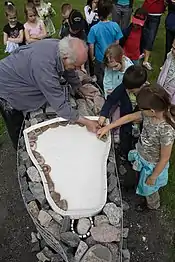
(102, 131)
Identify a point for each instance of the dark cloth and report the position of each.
(120, 96)
(150, 31)
(170, 19)
(81, 34)
(126, 34)
(13, 120)
(64, 31)
(13, 32)
(170, 36)
(99, 72)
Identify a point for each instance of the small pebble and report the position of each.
(63, 205)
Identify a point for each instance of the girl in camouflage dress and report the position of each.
(153, 150)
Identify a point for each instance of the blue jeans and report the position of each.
(150, 31)
(136, 62)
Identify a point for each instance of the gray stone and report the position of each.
(56, 217)
(21, 170)
(125, 232)
(125, 205)
(82, 248)
(43, 243)
(21, 142)
(122, 170)
(27, 123)
(54, 229)
(35, 247)
(125, 244)
(23, 156)
(65, 224)
(57, 258)
(50, 110)
(97, 253)
(39, 236)
(33, 209)
(33, 121)
(33, 174)
(126, 254)
(41, 257)
(112, 182)
(106, 233)
(36, 113)
(24, 184)
(113, 213)
(69, 251)
(101, 219)
(34, 238)
(127, 260)
(44, 218)
(83, 226)
(90, 241)
(114, 250)
(114, 196)
(70, 239)
(47, 252)
(63, 204)
(38, 191)
(28, 196)
(111, 168)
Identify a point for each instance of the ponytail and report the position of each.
(8, 3)
(10, 8)
(170, 116)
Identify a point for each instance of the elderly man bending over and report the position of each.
(30, 77)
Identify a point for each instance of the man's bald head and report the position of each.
(73, 52)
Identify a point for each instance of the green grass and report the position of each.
(168, 195)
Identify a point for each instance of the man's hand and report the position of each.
(92, 126)
(151, 181)
(101, 120)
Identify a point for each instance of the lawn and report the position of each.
(168, 195)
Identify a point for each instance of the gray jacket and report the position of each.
(31, 76)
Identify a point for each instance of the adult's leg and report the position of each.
(99, 72)
(116, 14)
(170, 35)
(13, 120)
(150, 32)
(153, 201)
(126, 16)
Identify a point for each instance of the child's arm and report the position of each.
(5, 38)
(19, 39)
(165, 155)
(44, 32)
(91, 52)
(30, 38)
(120, 122)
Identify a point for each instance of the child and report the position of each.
(45, 12)
(101, 36)
(14, 30)
(65, 12)
(34, 27)
(153, 151)
(132, 36)
(167, 75)
(91, 13)
(134, 77)
(155, 9)
(121, 12)
(116, 64)
(170, 26)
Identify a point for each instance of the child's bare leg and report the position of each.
(153, 201)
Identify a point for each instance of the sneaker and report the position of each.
(147, 65)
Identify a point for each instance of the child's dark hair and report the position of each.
(89, 2)
(30, 7)
(66, 7)
(134, 77)
(141, 13)
(10, 8)
(113, 51)
(155, 97)
(104, 8)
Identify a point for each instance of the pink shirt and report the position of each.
(35, 29)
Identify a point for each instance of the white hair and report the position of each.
(67, 48)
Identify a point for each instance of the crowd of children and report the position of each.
(119, 52)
